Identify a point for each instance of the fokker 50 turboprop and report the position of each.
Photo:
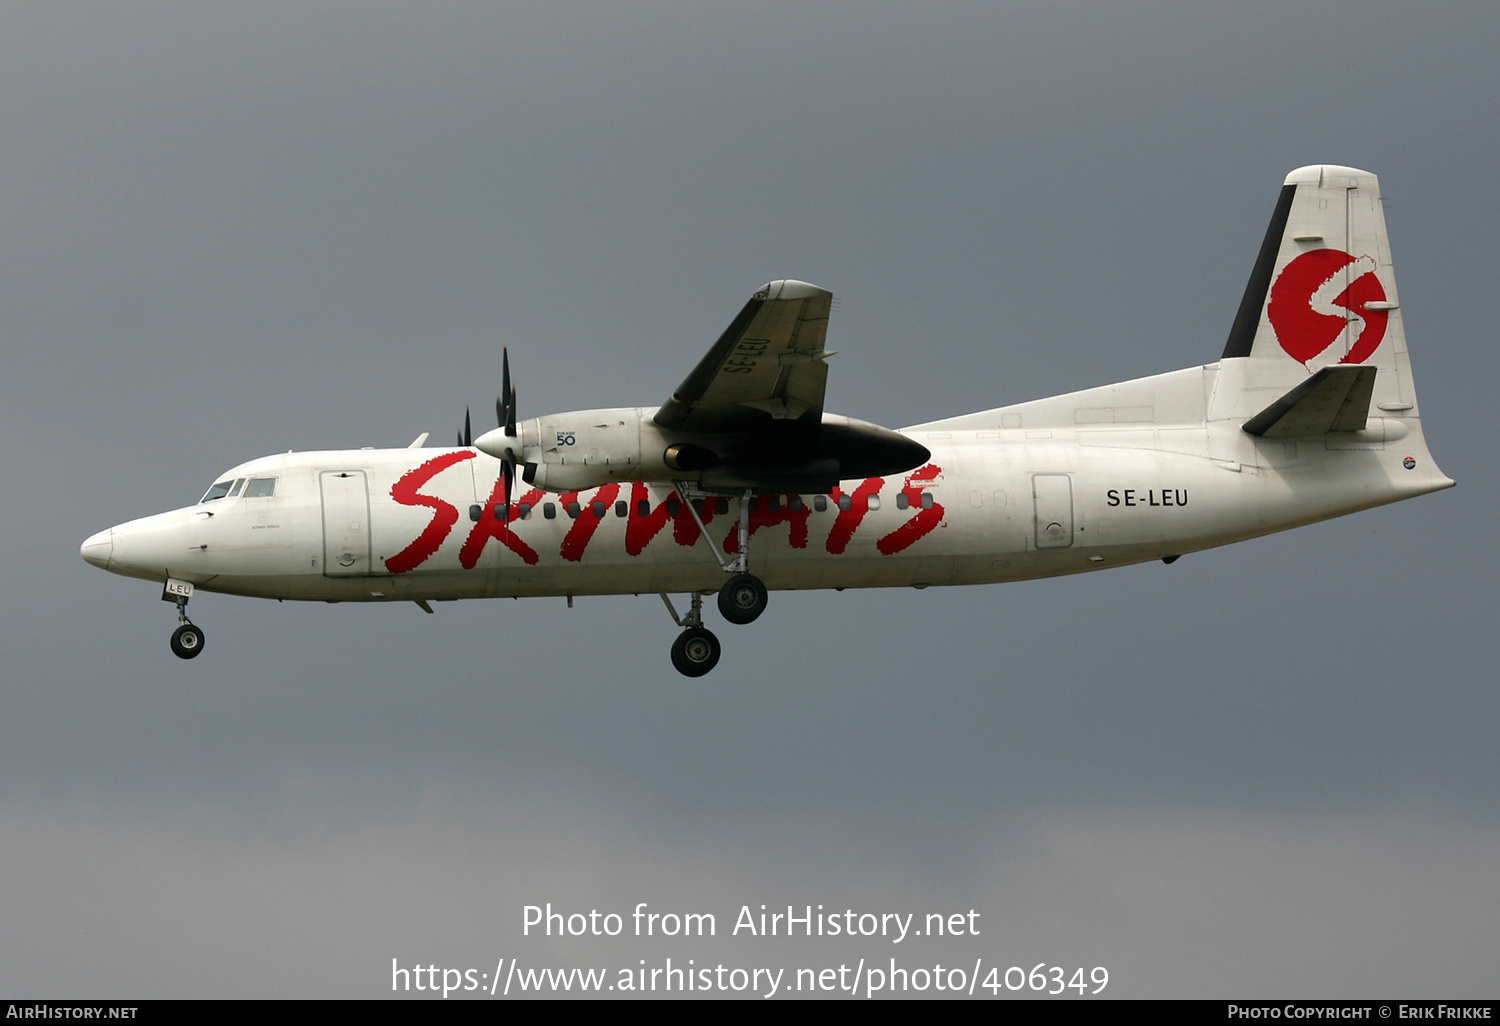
(741, 482)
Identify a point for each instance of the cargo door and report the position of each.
(1052, 496)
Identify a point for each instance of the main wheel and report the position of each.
(742, 599)
(695, 652)
(187, 641)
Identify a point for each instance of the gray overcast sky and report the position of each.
(228, 230)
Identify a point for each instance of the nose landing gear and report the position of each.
(187, 639)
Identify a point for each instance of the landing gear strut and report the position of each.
(187, 639)
(741, 600)
(743, 597)
(696, 650)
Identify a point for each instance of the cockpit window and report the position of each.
(236, 489)
(218, 491)
(260, 487)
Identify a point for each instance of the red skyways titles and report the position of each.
(645, 522)
(444, 514)
(494, 522)
(923, 522)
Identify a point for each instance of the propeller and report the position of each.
(504, 441)
(505, 415)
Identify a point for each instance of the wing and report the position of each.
(768, 365)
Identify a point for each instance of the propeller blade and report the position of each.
(468, 435)
(505, 389)
(505, 415)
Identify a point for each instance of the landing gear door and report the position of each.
(346, 523)
(1053, 497)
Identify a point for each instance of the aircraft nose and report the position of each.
(98, 548)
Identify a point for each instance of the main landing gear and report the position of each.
(743, 597)
(741, 600)
(696, 650)
(187, 639)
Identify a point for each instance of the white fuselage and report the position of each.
(1101, 478)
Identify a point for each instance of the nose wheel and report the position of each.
(187, 639)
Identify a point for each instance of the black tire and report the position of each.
(695, 652)
(742, 599)
(187, 641)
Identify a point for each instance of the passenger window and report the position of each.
(643, 508)
(598, 509)
(722, 505)
(622, 508)
(573, 509)
(260, 488)
(525, 511)
(549, 511)
(795, 503)
(926, 500)
(218, 491)
(475, 513)
(902, 501)
(820, 503)
(874, 502)
(846, 503)
(673, 507)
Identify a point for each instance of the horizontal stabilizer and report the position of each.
(1336, 398)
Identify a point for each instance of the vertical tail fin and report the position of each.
(1322, 293)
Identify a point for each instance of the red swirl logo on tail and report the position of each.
(1302, 317)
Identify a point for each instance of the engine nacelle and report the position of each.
(583, 449)
(687, 458)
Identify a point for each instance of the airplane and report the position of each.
(740, 483)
